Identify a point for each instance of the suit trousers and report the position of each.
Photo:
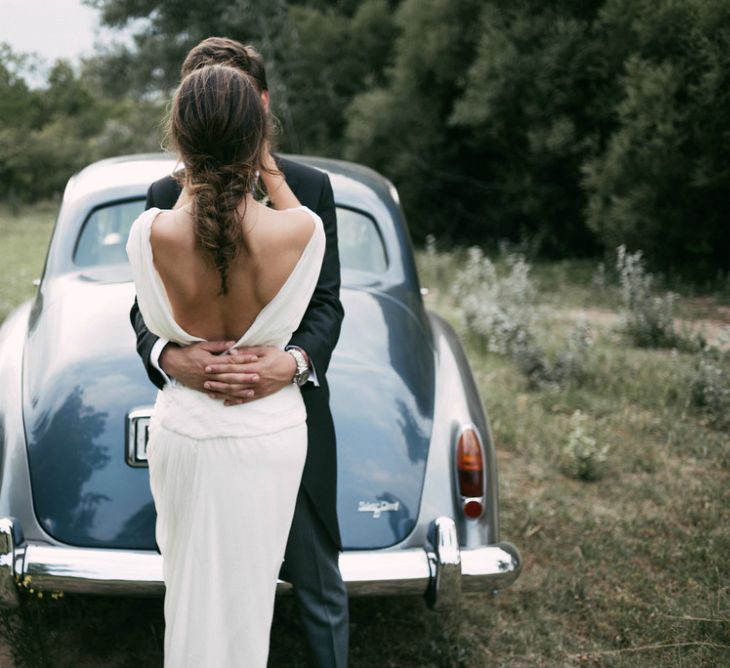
(311, 566)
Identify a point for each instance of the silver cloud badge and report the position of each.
(377, 507)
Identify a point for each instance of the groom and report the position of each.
(312, 551)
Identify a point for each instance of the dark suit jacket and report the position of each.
(317, 334)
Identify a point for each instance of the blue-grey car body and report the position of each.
(401, 390)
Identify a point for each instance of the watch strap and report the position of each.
(302, 372)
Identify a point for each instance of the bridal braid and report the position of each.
(219, 128)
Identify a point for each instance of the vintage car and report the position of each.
(417, 486)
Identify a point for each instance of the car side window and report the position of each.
(104, 235)
(359, 242)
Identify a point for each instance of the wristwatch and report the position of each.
(302, 373)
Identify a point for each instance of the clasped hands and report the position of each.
(244, 374)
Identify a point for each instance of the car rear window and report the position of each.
(103, 237)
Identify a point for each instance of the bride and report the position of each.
(222, 266)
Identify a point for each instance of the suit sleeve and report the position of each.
(146, 339)
(320, 327)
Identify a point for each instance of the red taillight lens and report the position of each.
(470, 464)
(473, 509)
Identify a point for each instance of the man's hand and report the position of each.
(187, 364)
(236, 379)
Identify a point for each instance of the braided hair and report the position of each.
(219, 128)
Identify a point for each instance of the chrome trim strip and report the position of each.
(93, 570)
(106, 571)
(446, 570)
(374, 573)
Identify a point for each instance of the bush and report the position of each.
(566, 366)
(647, 320)
(496, 309)
(500, 311)
(584, 458)
(709, 387)
(571, 363)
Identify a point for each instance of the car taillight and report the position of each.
(470, 470)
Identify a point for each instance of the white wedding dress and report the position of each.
(224, 479)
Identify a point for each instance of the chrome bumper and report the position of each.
(440, 571)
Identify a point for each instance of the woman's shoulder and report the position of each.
(295, 226)
(138, 227)
(169, 229)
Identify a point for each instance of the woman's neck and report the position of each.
(185, 199)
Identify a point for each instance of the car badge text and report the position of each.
(377, 507)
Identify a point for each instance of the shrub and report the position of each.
(584, 458)
(571, 364)
(496, 309)
(501, 312)
(565, 367)
(647, 320)
(709, 387)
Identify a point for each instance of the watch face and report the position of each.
(302, 377)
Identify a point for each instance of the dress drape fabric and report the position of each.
(224, 479)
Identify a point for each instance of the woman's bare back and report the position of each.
(274, 243)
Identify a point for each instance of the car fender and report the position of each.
(457, 404)
(15, 491)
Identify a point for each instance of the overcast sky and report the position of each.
(51, 28)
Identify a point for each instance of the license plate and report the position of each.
(137, 432)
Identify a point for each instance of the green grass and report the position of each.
(630, 570)
(24, 237)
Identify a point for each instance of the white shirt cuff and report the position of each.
(312, 373)
(155, 357)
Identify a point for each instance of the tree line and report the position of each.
(573, 126)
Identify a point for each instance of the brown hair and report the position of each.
(225, 51)
(219, 128)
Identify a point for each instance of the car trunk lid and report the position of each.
(82, 376)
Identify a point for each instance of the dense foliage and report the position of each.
(573, 126)
(48, 133)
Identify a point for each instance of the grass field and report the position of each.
(631, 568)
(23, 241)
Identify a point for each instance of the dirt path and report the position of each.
(715, 330)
